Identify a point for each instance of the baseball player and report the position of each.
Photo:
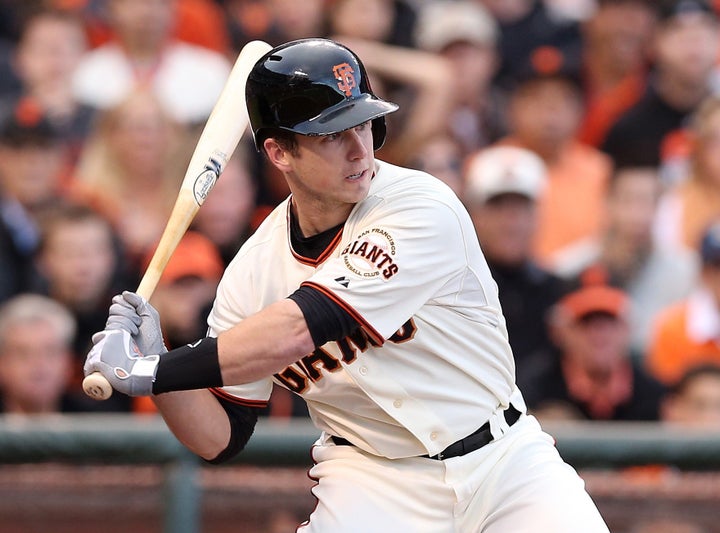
(366, 293)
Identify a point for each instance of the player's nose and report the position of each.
(356, 145)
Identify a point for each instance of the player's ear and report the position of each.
(277, 154)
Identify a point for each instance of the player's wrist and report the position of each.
(193, 366)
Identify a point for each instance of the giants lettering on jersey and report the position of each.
(298, 376)
(371, 255)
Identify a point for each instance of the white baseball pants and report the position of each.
(516, 484)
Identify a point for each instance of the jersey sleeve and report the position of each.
(400, 256)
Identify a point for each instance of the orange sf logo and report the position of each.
(344, 73)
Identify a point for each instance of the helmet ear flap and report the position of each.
(379, 131)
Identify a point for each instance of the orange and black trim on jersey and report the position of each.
(374, 334)
(239, 401)
(314, 262)
(326, 253)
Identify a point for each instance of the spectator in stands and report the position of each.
(228, 215)
(131, 169)
(526, 25)
(688, 333)
(694, 401)
(35, 359)
(384, 21)
(442, 156)
(199, 22)
(544, 112)
(690, 205)
(653, 277)
(593, 376)
(502, 186)
(79, 264)
(466, 34)
(296, 20)
(31, 157)
(52, 43)
(616, 42)
(79, 261)
(684, 52)
(273, 21)
(187, 79)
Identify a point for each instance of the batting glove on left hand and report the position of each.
(116, 356)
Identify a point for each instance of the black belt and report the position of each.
(472, 442)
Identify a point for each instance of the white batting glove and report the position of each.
(134, 314)
(116, 356)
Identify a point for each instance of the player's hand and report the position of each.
(116, 356)
(134, 314)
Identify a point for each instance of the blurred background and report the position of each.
(582, 135)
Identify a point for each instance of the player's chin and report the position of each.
(357, 186)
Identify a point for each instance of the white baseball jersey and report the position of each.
(431, 362)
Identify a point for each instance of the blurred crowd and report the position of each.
(582, 135)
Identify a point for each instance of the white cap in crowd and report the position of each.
(444, 22)
(504, 170)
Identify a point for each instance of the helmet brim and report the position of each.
(345, 115)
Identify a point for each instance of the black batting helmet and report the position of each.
(312, 87)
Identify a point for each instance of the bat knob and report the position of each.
(97, 387)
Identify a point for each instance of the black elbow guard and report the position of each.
(242, 424)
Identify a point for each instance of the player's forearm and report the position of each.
(264, 343)
(254, 349)
(197, 420)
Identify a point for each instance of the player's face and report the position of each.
(331, 170)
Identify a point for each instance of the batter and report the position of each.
(366, 293)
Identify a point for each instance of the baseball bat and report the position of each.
(220, 136)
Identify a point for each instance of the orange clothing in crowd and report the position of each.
(572, 205)
(674, 349)
(603, 108)
(202, 22)
(199, 22)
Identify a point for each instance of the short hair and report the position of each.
(286, 139)
(32, 308)
(71, 213)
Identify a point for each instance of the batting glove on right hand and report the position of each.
(134, 314)
(116, 356)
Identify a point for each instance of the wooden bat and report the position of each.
(220, 136)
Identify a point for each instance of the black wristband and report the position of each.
(193, 366)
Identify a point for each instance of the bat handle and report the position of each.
(95, 385)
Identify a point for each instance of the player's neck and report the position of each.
(314, 219)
